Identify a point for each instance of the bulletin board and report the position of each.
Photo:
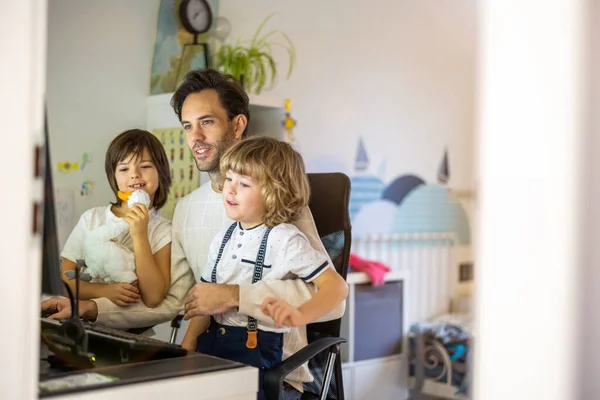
(184, 173)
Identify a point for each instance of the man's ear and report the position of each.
(240, 122)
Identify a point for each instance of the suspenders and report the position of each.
(252, 341)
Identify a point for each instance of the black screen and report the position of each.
(51, 282)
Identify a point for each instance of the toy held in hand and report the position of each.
(106, 259)
(135, 197)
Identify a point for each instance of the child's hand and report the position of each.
(122, 294)
(282, 313)
(137, 218)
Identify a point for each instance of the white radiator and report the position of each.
(428, 263)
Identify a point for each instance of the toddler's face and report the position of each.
(135, 173)
(243, 200)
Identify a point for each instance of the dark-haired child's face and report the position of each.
(137, 173)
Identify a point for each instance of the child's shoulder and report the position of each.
(285, 230)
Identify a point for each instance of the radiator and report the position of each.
(426, 259)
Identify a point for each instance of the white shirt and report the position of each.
(159, 232)
(288, 255)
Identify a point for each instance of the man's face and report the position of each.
(209, 132)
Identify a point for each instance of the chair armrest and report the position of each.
(176, 321)
(273, 380)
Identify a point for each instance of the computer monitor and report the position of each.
(51, 282)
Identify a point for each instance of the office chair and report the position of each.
(330, 194)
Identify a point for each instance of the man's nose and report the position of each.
(198, 133)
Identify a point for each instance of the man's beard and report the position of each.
(218, 150)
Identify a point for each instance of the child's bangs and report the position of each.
(132, 148)
(248, 166)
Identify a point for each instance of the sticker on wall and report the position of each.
(443, 173)
(86, 188)
(86, 158)
(404, 204)
(67, 166)
(288, 123)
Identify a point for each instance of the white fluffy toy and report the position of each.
(106, 259)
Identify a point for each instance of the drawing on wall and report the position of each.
(185, 177)
(407, 204)
(86, 188)
(171, 39)
(65, 213)
(443, 174)
(67, 166)
(86, 158)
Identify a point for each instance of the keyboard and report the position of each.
(121, 346)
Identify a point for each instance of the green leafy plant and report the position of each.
(252, 62)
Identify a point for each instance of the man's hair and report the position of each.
(232, 96)
(133, 143)
(278, 168)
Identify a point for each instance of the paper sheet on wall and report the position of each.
(65, 214)
(184, 174)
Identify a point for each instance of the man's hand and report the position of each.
(282, 313)
(61, 308)
(210, 298)
(122, 294)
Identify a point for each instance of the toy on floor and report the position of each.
(376, 270)
(106, 259)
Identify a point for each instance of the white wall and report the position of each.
(401, 74)
(99, 58)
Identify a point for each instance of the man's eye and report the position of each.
(207, 122)
(187, 127)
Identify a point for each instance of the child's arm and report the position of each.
(122, 294)
(153, 270)
(197, 326)
(332, 291)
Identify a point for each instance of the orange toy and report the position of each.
(124, 195)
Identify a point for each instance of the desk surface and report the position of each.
(196, 373)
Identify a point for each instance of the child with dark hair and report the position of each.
(133, 259)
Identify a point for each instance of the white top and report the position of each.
(288, 255)
(159, 232)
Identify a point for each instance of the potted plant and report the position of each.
(253, 65)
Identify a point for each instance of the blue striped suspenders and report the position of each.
(252, 341)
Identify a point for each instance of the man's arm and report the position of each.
(139, 315)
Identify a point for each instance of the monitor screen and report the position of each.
(51, 282)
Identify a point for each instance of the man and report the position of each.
(213, 110)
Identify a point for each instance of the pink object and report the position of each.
(374, 269)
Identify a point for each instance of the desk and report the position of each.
(195, 375)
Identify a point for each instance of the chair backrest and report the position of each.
(330, 195)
